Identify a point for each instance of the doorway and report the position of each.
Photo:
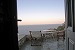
(39, 15)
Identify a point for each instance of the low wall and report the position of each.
(21, 41)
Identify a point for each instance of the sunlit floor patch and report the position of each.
(48, 44)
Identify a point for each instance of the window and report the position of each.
(69, 14)
(71, 18)
(72, 14)
(73, 11)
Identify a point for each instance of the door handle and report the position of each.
(19, 20)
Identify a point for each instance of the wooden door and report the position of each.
(8, 24)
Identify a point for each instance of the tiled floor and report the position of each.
(48, 44)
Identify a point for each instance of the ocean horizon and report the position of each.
(24, 29)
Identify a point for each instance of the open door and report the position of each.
(8, 24)
(70, 24)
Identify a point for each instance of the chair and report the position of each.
(61, 34)
(55, 36)
(48, 35)
(36, 38)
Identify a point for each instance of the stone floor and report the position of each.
(48, 44)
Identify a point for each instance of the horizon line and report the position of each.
(37, 24)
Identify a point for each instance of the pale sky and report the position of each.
(40, 12)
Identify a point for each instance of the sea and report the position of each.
(24, 29)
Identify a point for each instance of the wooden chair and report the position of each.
(36, 38)
(61, 34)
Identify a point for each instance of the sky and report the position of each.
(33, 12)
